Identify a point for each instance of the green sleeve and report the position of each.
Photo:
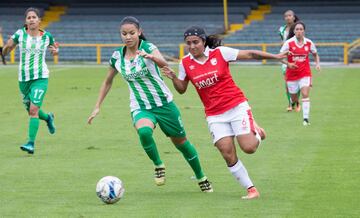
(149, 47)
(51, 39)
(16, 36)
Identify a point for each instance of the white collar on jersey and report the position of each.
(206, 52)
(297, 42)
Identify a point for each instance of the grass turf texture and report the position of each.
(300, 171)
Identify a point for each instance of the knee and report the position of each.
(33, 111)
(145, 133)
(250, 149)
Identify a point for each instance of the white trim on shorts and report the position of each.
(236, 121)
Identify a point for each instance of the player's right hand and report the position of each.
(292, 66)
(93, 115)
(168, 72)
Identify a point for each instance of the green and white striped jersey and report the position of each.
(282, 32)
(147, 88)
(32, 64)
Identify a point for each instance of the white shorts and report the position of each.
(295, 86)
(236, 121)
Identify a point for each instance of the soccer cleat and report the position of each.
(205, 185)
(289, 108)
(159, 176)
(252, 194)
(298, 107)
(28, 147)
(50, 123)
(306, 122)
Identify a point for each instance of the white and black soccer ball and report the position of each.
(110, 189)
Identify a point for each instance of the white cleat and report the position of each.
(159, 176)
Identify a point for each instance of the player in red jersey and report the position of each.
(299, 47)
(227, 112)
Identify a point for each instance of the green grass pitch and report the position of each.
(300, 171)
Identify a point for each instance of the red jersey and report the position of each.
(212, 79)
(300, 56)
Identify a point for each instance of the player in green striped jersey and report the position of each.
(33, 71)
(290, 19)
(151, 101)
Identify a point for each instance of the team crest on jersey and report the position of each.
(293, 48)
(306, 48)
(213, 61)
(191, 67)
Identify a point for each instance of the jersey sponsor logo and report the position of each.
(213, 61)
(33, 50)
(207, 82)
(299, 58)
(141, 73)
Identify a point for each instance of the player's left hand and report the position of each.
(54, 49)
(144, 54)
(317, 67)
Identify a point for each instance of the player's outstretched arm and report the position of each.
(105, 88)
(9, 46)
(179, 85)
(259, 55)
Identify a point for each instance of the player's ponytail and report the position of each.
(135, 22)
(213, 41)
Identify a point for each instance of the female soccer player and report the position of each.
(151, 101)
(290, 18)
(227, 112)
(299, 48)
(1, 47)
(33, 71)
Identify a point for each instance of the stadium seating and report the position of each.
(164, 23)
(326, 21)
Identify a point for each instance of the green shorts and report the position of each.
(33, 91)
(168, 117)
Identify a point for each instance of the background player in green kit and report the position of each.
(290, 19)
(151, 101)
(33, 71)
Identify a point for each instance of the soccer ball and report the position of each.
(110, 189)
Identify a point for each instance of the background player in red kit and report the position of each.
(227, 112)
(299, 48)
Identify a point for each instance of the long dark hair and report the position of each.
(292, 29)
(211, 41)
(135, 22)
(35, 10)
(295, 16)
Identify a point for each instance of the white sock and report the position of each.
(240, 173)
(306, 107)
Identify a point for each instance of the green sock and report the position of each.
(43, 115)
(148, 143)
(33, 128)
(191, 156)
(288, 95)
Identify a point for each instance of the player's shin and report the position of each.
(240, 173)
(149, 145)
(33, 128)
(191, 156)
